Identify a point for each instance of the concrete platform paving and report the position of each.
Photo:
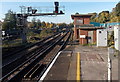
(93, 65)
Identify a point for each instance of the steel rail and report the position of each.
(61, 48)
(29, 53)
(32, 63)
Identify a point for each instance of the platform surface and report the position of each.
(93, 65)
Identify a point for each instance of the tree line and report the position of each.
(10, 21)
(106, 16)
(36, 23)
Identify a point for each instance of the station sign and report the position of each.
(82, 36)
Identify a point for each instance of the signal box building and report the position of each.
(83, 30)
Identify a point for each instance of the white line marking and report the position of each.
(97, 62)
(48, 69)
(92, 61)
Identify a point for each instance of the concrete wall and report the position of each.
(117, 36)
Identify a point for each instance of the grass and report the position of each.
(11, 43)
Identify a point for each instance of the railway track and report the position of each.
(32, 67)
(35, 74)
(5, 56)
(21, 57)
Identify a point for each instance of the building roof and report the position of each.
(81, 15)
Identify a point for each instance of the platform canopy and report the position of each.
(90, 28)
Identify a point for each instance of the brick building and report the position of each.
(83, 30)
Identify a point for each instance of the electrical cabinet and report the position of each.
(117, 37)
(101, 37)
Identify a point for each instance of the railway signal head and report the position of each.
(56, 7)
(34, 11)
(56, 3)
(29, 9)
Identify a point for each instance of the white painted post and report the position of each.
(110, 52)
(117, 36)
(109, 70)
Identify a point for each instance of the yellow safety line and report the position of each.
(78, 67)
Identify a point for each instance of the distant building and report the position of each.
(83, 30)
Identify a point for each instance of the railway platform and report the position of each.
(77, 62)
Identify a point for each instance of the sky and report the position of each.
(70, 8)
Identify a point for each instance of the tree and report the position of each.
(30, 25)
(9, 21)
(117, 9)
(43, 24)
(71, 25)
(104, 17)
(47, 24)
(34, 22)
(115, 14)
(94, 15)
(51, 25)
(38, 24)
(62, 25)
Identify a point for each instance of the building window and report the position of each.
(79, 21)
